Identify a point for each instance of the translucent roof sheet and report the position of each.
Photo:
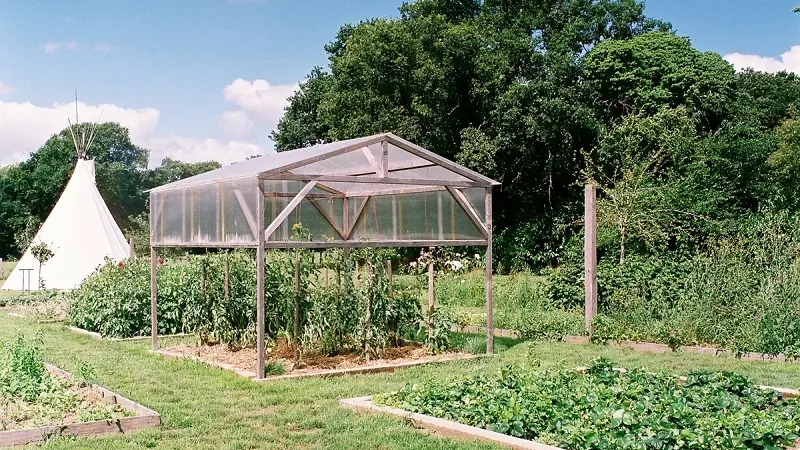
(361, 157)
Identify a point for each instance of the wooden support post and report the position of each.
(590, 255)
(368, 334)
(296, 321)
(489, 306)
(131, 249)
(389, 277)
(260, 284)
(153, 294)
(227, 282)
(431, 300)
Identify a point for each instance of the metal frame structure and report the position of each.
(380, 180)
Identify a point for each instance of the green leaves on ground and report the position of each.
(604, 408)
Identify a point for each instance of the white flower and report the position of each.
(412, 264)
(477, 256)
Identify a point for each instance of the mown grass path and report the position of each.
(206, 408)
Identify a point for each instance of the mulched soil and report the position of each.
(245, 359)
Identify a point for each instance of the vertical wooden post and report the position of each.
(431, 300)
(489, 306)
(296, 318)
(368, 334)
(227, 282)
(260, 284)
(131, 249)
(590, 255)
(153, 294)
(389, 277)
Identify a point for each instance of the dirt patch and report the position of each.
(245, 360)
(72, 403)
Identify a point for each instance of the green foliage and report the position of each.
(194, 296)
(24, 236)
(605, 408)
(31, 396)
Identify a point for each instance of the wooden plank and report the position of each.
(153, 299)
(260, 285)
(590, 256)
(398, 168)
(445, 427)
(384, 158)
(372, 161)
(396, 191)
(373, 244)
(248, 214)
(489, 306)
(465, 205)
(431, 300)
(331, 154)
(288, 210)
(368, 180)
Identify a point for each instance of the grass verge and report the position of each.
(206, 408)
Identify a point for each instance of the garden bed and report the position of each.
(600, 407)
(280, 360)
(40, 402)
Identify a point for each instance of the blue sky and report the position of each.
(169, 69)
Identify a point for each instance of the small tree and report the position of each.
(42, 253)
(24, 236)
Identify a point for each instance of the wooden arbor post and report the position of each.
(590, 255)
(261, 236)
(489, 307)
(153, 299)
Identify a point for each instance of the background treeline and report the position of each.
(544, 95)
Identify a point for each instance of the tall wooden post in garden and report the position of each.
(260, 282)
(489, 306)
(131, 249)
(590, 255)
(153, 294)
(431, 299)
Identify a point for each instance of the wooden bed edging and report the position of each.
(650, 347)
(144, 418)
(458, 430)
(98, 336)
(444, 427)
(378, 368)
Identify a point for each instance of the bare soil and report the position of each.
(246, 359)
(78, 400)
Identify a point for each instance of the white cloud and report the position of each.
(196, 150)
(54, 47)
(5, 89)
(263, 102)
(25, 127)
(789, 61)
(236, 123)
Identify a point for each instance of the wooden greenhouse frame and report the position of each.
(346, 174)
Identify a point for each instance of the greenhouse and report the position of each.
(376, 191)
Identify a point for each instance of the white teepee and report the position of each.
(80, 232)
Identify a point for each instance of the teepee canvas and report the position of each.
(80, 232)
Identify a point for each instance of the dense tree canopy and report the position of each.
(523, 90)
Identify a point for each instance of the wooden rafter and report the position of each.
(462, 201)
(288, 210)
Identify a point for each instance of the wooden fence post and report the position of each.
(590, 255)
(389, 277)
(153, 296)
(431, 300)
(131, 249)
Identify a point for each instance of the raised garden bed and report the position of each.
(600, 408)
(40, 402)
(99, 336)
(280, 364)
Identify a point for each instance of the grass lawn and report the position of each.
(205, 408)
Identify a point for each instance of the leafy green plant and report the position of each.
(604, 408)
